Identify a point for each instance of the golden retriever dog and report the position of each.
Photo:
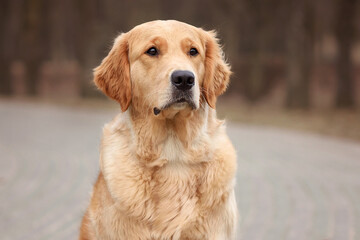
(167, 167)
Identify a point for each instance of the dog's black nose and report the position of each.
(183, 80)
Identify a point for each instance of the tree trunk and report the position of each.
(254, 82)
(10, 17)
(5, 78)
(32, 72)
(345, 29)
(300, 54)
(34, 47)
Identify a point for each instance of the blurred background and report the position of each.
(284, 54)
(296, 66)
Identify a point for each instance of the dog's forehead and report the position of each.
(169, 29)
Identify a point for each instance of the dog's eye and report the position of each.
(193, 52)
(152, 51)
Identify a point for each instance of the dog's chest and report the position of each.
(177, 152)
(172, 149)
(174, 194)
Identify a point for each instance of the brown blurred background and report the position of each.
(296, 63)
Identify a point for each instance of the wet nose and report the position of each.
(183, 80)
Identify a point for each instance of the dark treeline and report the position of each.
(293, 44)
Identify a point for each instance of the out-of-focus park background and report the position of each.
(285, 54)
(293, 108)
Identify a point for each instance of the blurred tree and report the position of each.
(98, 23)
(11, 13)
(259, 38)
(254, 83)
(34, 40)
(345, 32)
(300, 39)
(263, 39)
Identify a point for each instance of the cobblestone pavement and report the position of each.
(290, 185)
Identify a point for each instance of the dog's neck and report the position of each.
(172, 137)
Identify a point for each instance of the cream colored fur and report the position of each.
(169, 176)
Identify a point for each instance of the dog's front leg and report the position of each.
(216, 194)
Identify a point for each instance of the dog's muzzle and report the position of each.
(182, 90)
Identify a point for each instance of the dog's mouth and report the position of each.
(177, 103)
(181, 100)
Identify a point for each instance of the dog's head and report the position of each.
(164, 65)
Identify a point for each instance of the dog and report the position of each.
(167, 167)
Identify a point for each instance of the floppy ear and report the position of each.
(113, 75)
(217, 71)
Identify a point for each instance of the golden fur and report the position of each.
(171, 175)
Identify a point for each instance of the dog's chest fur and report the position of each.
(174, 186)
(164, 190)
(172, 150)
(175, 198)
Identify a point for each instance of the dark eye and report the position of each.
(152, 51)
(193, 52)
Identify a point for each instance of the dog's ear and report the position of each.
(217, 71)
(113, 75)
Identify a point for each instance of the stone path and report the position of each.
(289, 185)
